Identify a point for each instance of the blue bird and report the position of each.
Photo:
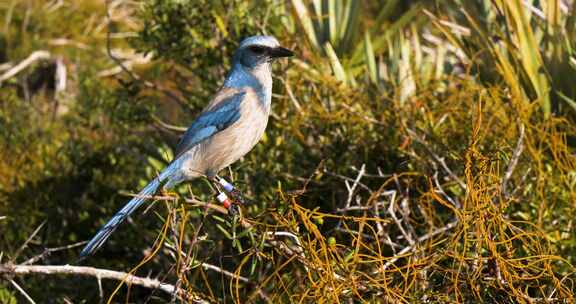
(228, 128)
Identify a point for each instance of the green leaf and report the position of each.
(370, 59)
(306, 22)
(337, 68)
(571, 102)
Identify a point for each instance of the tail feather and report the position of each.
(105, 232)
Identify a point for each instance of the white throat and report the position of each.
(259, 78)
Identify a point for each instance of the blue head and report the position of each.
(256, 50)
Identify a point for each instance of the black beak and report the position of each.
(278, 52)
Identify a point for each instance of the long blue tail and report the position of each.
(105, 232)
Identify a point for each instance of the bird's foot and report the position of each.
(228, 204)
(236, 194)
(238, 197)
(234, 210)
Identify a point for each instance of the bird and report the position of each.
(228, 128)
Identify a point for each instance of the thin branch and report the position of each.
(224, 272)
(22, 292)
(290, 94)
(421, 239)
(354, 208)
(349, 179)
(28, 240)
(379, 175)
(385, 238)
(392, 213)
(85, 271)
(21, 270)
(109, 47)
(37, 55)
(438, 159)
(352, 190)
(440, 190)
(292, 236)
(210, 266)
(48, 251)
(100, 289)
(125, 65)
(513, 162)
(167, 126)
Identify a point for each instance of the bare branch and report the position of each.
(209, 266)
(440, 190)
(5, 66)
(35, 56)
(438, 159)
(168, 126)
(349, 179)
(28, 240)
(415, 246)
(513, 162)
(225, 272)
(352, 190)
(291, 94)
(21, 270)
(24, 293)
(48, 251)
(109, 47)
(392, 213)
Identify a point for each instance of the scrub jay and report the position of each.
(228, 128)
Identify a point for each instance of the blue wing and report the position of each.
(211, 122)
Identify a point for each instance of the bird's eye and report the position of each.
(257, 49)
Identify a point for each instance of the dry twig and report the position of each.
(35, 56)
(513, 162)
(24, 293)
(421, 239)
(22, 270)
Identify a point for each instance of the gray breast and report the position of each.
(229, 145)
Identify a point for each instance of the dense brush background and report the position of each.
(417, 151)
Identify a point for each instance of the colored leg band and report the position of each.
(223, 198)
(227, 186)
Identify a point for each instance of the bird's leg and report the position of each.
(213, 185)
(235, 193)
(222, 197)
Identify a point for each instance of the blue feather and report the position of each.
(211, 122)
(104, 233)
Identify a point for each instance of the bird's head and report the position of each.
(258, 50)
